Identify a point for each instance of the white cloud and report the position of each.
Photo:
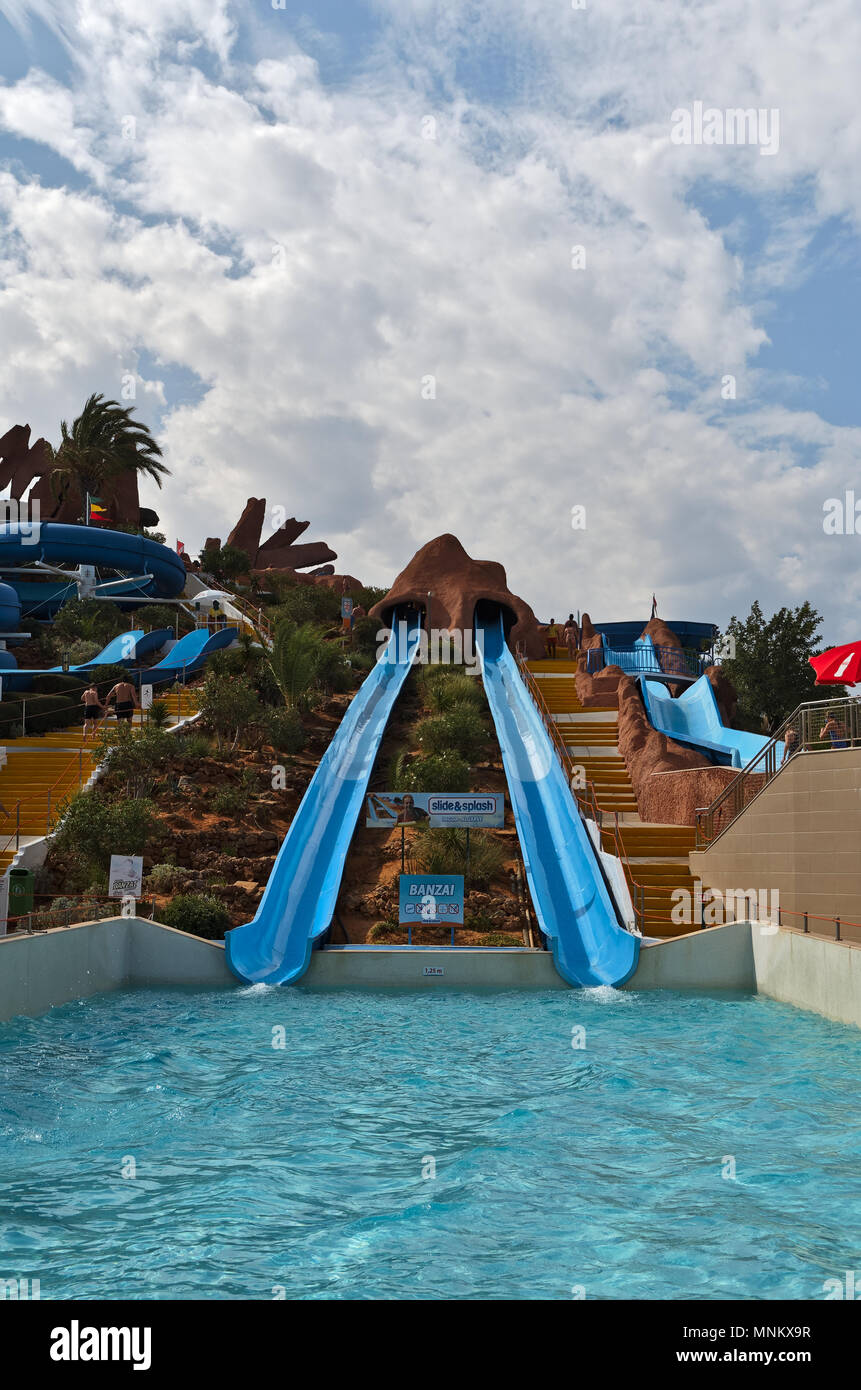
(311, 258)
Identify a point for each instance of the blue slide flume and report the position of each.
(695, 720)
(572, 902)
(299, 901)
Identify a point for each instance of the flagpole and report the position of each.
(87, 511)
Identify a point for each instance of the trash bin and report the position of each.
(21, 883)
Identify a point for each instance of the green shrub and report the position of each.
(162, 877)
(283, 731)
(194, 745)
(159, 715)
(444, 851)
(498, 938)
(457, 691)
(230, 801)
(461, 730)
(93, 828)
(228, 705)
(307, 603)
(135, 757)
(436, 772)
(294, 660)
(197, 913)
(385, 931)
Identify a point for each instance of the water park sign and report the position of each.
(384, 810)
(431, 900)
(126, 876)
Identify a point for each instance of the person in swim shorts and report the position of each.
(551, 637)
(125, 701)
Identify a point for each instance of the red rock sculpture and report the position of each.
(457, 583)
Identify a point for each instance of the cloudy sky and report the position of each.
(333, 245)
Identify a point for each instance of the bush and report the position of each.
(283, 731)
(455, 692)
(444, 851)
(230, 801)
(228, 704)
(307, 603)
(93, 828)
(436, 772)
(197, 913)
(162, 877)
(135, 757)
(194, 746)
(385, 931)
(64, 911)
(498, 938)
(294, 660)
(462, 730)
(159, 715)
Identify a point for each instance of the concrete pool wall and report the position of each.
(54, 967)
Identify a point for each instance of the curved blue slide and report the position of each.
(694, 719)
(188, 655)
(123, 650)
(572, 902)
(55, 543)
(299, 900)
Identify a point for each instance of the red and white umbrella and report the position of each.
(839, 666)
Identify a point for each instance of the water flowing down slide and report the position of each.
(299, 901)
(572, 903)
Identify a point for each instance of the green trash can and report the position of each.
(21, 883)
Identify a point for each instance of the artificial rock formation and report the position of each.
(278, 552)
(456, 584)
(21, 463)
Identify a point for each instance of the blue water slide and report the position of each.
(694, 719)
(572, 902)
(299, 900)
(162, 572)
(124, 650)
(188, 655)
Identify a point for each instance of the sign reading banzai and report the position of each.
(383, 810)
(431, 900)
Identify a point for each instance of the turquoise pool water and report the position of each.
(300, 1171)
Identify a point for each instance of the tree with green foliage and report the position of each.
(225, 562)
(768, 662)
(102, 444)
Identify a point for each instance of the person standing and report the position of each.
(93, 708)
(551, 637)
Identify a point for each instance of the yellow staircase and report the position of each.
(657, 855)
(39, 774)
(43, 770)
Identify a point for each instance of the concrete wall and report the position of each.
(823, 976)
(720, 958)
(54, 967)
(480, 968)
(801, 837)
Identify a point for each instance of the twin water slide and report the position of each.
(573, 906)
(124, 650)
(188, 655)
(694, 720)
(299, 901)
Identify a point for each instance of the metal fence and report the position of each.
(645, 660)
(819, 726)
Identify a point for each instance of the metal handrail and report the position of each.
(37, 796)
(806, 725)
(682, 661)
(587, 798)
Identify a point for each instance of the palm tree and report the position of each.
(103, 443)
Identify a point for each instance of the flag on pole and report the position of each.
(180, 547)
(654, 606)
(96, 510)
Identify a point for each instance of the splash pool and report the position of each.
(307, 1170)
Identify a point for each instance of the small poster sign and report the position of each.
(126, 876)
